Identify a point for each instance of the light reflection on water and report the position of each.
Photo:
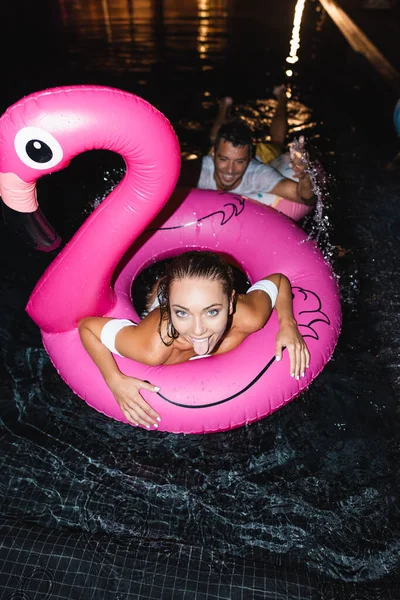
(139, 34)
(191, 52)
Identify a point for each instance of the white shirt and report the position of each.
(257, 178)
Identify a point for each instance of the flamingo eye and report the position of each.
(37, 148)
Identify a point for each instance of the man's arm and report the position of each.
(301, 191)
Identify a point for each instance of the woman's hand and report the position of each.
(290, 338)
(127, 394)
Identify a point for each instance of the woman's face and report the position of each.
(199, 312)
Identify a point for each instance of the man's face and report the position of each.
(230, 164)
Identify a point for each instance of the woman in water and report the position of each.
(195, 313)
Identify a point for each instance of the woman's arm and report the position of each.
(125, 389)
(289, 336)
(260, 305)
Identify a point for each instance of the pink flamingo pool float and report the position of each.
(136, 226)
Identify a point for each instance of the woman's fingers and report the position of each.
(144, 419)
(278, 351)
(299, 359)
(302, 362)
(149, 415)
(297, 367)
(292, 358)
(299, 356)
(139, 415)
(137, 410)
(130, 414)
(306, 357)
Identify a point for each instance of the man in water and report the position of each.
(230, 166)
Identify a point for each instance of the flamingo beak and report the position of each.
(22, 213)
(33, 227)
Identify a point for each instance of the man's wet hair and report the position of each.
(237, 133)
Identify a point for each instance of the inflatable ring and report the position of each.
(93, 274)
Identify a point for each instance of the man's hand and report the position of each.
(298, 158)
(299, 162)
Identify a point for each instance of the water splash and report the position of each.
(111, 179)
(318, 224)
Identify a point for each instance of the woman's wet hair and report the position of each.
(237, 133)
(194, 264)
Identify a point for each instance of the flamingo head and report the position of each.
(41, 133)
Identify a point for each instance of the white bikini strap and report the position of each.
(109, 333)
(267, 286)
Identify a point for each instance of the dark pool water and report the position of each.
(302, 505)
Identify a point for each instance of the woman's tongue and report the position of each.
(200, 346)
